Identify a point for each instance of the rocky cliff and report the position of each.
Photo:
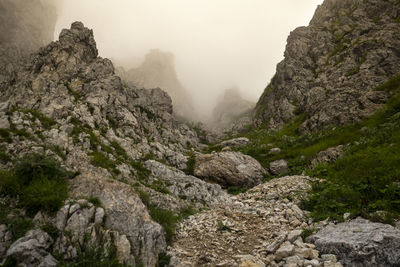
(158, 71)
(332, 66)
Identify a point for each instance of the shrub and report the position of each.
(39, 181)
(190, 164)
(5, 135)
(167, 219)
(95, 201)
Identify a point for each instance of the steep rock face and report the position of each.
(158, 71)
(24, 27)
(332, 66)
(231, 111)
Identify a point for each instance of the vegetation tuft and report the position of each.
(38, 181)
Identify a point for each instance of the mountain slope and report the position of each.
(332, 66)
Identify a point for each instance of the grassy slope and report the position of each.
(365, 180)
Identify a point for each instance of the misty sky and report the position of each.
(217, 43)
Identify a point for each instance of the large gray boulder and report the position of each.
(360, 243)
(31, 249)
(229, 169)
(126, 214)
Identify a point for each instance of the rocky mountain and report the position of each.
(231, 111)
(97, 171)
(66, 102)
(158, 71)
(332, 66)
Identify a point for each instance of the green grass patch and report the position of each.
(191, 162)
(39, 181)
(101, 160)
(167, 219)
(141, 171)
(364, 181)
(234, 190)
(367, 179)
(5, 135)
(95, 201)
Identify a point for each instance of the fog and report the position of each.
(217, 44)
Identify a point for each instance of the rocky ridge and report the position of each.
(332, 66)
(158, 71)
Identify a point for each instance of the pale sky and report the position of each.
(217, 43)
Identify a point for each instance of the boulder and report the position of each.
(186, 186)
(329, 155)
(360, 243)
(31, 249)
(278, 167)
(235, 142)
(229, 169)
(126, 214)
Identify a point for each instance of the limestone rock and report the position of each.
(278, 167)
(327, 156)
(360, 243)
(179, 184)
(332, 66)
(125, 214)
(31, 249)
(5, 239)
(229, 169)
(236, 142)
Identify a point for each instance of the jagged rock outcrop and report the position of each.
(229, 169)
(360, 243)
(158, 71)
(332, 66)
(31, 250)
(232, 112)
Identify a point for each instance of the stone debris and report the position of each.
(261, 227)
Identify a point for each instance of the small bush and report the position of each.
(141, 171)
(5, 135)
(190, 164)
(18, 227)
(306, 233)
(44, 194)
(163, 260)
(167, 219)
(234, 190)
(51, 230)
(95, 201)
(39, 181)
